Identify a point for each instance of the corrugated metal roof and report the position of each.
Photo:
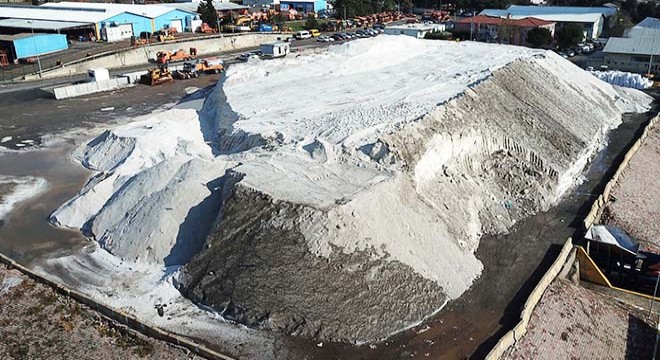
(552, 13)
(643, 45)
(643, 39)
(193, 5)
(150, 11)
(14, 37)
(42, 24)
(23, 36)
(44, 13)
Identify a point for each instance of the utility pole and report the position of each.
(34, 41)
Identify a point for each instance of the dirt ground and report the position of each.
(572, 322)
(38, 323)
(635, 204)
(29, 114)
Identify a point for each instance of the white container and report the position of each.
(99, 74)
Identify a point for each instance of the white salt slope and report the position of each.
(358, 90)
(151, 173)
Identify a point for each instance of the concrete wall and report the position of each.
(511, 337)
(599, 205)
(141, 55)
(39, 44)
(93, 87)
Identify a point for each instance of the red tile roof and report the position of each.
(531, 22)
(493, 20)
(480, 19)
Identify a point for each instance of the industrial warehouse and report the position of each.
(25, 28)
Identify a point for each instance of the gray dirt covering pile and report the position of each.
(635, 204)
(327, 297)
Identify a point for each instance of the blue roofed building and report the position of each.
(592, 19)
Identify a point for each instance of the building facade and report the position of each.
(639, 52)
(415, 30)
(303, 6)
(591, 19)
(24, 46)
(496, 29)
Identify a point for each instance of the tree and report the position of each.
(311, 23)
(569, 35)
(207, 12)
(537, 37)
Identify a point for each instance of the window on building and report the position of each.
(641, 58)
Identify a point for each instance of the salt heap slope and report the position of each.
(346, 189)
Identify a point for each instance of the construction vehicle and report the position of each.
(166, 34)
(166, 57)
(206, 29)
(210, 65)
(4, 60)
(156, 76)
(189, 71)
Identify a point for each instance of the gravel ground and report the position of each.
(635, 204)
(571, 322)
(38, 323)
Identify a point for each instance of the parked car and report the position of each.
(314, 33)
(337, 37)
(247, 56)
(302, 34)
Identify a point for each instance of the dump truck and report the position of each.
(166, 57)
(210, 65)
(156, 76)
(192, 70)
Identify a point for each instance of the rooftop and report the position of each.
(56, 14)
(150, 11)
(643, 39)
(41, 24)
(494, 20)
(423, 27)
(192, 5)
(16, 36)
(552, 13)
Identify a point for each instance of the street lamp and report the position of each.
(34, 41)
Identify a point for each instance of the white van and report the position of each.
(303, 34)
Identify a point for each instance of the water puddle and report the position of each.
(26, 235)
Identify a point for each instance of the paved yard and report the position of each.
(572, 322)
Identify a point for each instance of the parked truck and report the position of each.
(274, 50)
(166, 57)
